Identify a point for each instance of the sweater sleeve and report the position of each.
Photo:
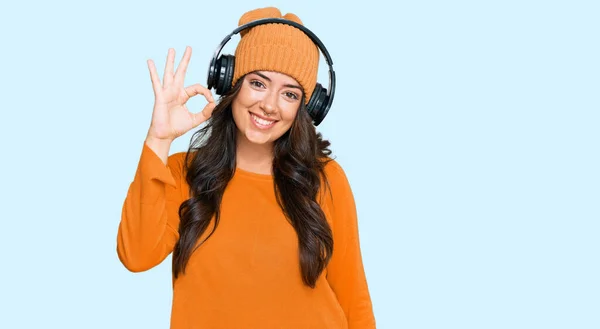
(149, 219)
(345, 272)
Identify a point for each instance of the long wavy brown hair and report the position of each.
(300, 156)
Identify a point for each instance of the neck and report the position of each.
(253, 157)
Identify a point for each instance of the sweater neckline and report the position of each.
(245, 173)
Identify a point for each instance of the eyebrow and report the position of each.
(267, 78)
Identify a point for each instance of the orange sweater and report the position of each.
(247, 274)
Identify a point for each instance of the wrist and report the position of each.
(159, 142)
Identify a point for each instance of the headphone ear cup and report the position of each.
(211, 77)
(317, 105)
(224, 76)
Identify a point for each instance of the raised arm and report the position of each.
(149, 222)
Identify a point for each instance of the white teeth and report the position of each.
(262, 121)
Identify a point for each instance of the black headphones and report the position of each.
(220, 72)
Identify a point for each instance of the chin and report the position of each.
(258, 140)
(257, 137)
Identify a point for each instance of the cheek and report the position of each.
(288, 114)
(235, 111)
(240, 105)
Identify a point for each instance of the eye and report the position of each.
(257, 83)
(291, 95)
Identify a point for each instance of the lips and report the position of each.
(262, 117)
(260, 122)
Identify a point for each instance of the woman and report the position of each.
(260, 220)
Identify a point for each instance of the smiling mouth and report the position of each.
(262, 123)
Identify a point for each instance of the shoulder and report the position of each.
(176, 161)
(177, 157)
(336, 195)
(336, 180)
(334, 171)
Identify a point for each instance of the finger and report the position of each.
(168, 79)
(182, 68)
(154, 76)
(198, 89)
(204, 115)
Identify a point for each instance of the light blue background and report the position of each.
(469, 131)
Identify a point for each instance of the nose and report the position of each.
(269, 102)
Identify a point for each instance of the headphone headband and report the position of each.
(309, 33)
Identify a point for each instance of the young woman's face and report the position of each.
(266, 105)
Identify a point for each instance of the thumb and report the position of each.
(204, 115)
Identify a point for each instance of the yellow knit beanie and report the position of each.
(277, 47)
